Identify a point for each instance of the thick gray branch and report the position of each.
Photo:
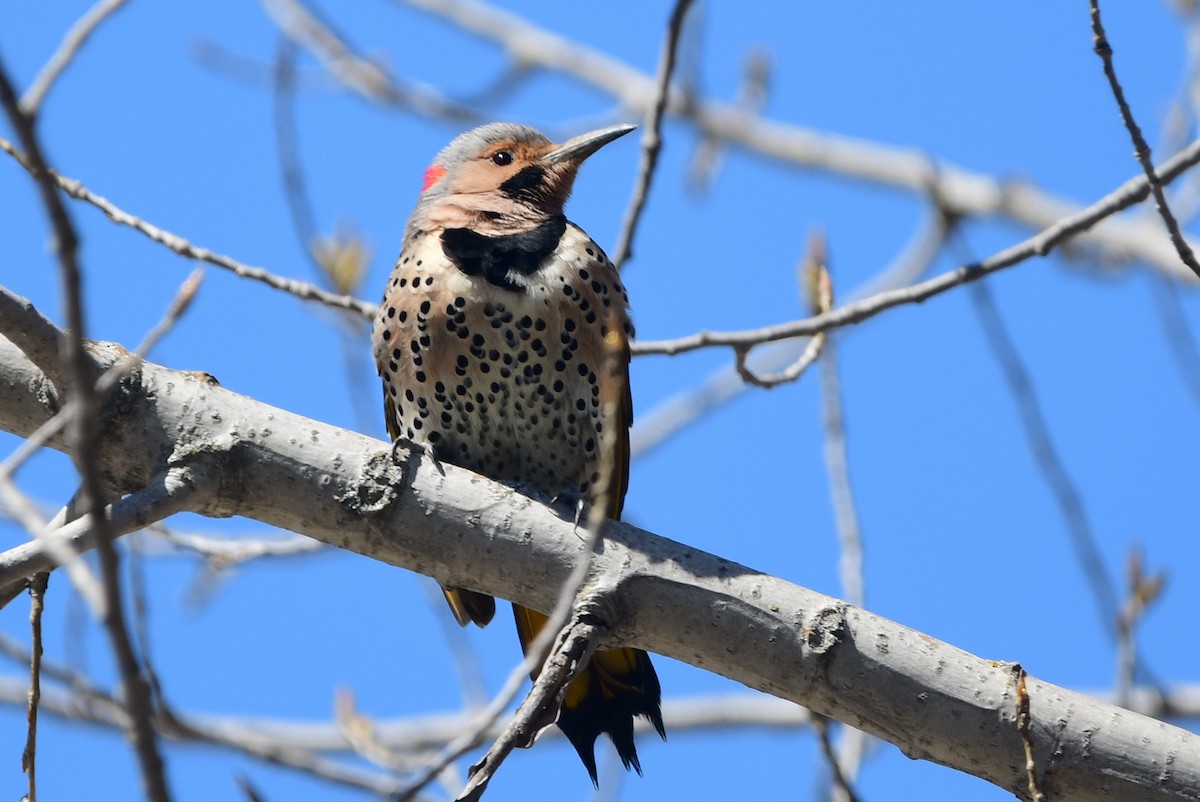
(932, 700)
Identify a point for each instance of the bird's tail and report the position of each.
(615, 686)
(470, 607)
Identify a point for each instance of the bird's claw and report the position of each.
(425, 448)
(571, 496)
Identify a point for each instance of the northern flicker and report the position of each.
(491, 344)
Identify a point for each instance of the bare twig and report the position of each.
(364, 77)
(850, 564)
(1179, 338)
(789, 374)
(1126, 642)
(844, 764)
(226, 552)
(964, 192)
(179, 488)
(75, 39)
(463, 655)
(751, 97)
(268, 751)
(428, 732)
(249, 789)
(678, 412)
(18, 326)
(83, 701)
(25, 511)
(181, 246)
(1022, 700)
(295, 190)
(84, 433)
(1143, 590)
(16, 652)
(223, 61)
(37, 595)
(340, 260)
(652, 133)
(815, 277)
(1049, 463)
(362, 735)
(179, 305)
(141, 630)
(1140, 148)
(1129, 193)
(841, 783)
(37, 337)
(482, 722)
(14, 327)
(572, 649)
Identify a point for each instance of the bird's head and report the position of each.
(502, 176)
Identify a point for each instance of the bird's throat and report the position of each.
(501, 257)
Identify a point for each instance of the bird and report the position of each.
(490, 342)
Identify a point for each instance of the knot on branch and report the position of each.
(825, 629)
(375, 487)
(46, 393)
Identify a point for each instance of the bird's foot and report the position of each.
(574, 501)
(425, 448)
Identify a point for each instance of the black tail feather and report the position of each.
(604, 700)
(615, 686)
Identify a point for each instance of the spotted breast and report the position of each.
(504, 381)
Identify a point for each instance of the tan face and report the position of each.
(506, 183)
(491, 167)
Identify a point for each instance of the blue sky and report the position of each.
(963, 539)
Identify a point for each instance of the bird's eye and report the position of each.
(502, 157)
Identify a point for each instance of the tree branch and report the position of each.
(1045, 456)
(1140, 148)
(303, 290)
(36, 335)
(362, 76)
(180, 488)
(37, 595)
(83, 702)
(1132, 191)
(845, 762)
(932, 700)
(652, 135)
(83, 434)
(962, 191)
(421, 734)
(75, 39)
(660, 423)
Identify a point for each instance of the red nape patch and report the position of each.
(433, 174)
